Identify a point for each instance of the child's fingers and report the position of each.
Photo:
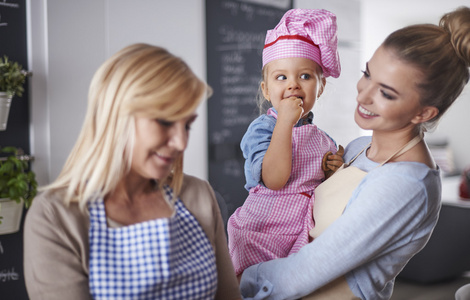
(340, 151)
(335, 157)
(334, 164)
(335, 161)
(324, 165)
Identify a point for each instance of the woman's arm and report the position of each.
(54, 249)
(381, 229)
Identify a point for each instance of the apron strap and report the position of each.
(400, 151)
(405, 148)
(345, 165)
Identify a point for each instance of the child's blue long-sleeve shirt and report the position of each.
(255, 143)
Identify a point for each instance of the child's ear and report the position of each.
(427, 113)
(264, 89)
(321, 88)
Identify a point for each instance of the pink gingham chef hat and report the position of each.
(309, 33)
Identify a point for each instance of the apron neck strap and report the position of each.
(400, 151)
(354, 158)
(405, 148)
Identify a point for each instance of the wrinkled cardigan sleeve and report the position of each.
(199, 198)
(56, 250)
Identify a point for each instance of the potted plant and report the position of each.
(18, 186)
(12, 79)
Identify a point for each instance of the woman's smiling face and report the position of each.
(158, 143)
(388, 97)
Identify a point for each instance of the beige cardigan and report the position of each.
(56, 249)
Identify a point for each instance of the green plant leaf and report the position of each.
(17, 182)
(12, 77)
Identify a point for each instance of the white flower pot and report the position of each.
(12, 213)
(5, 103)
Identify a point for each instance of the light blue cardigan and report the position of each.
(388, 219)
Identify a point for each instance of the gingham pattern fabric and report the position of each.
(273, 224)
(168, 258)
(308, 33)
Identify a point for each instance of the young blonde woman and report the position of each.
(122, 221)
(380, 208)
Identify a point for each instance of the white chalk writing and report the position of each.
(8, 275)
(7, 4)
(10, 5)
(250, 12)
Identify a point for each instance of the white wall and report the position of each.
(68, 40)
(380, 18)
(334, 110)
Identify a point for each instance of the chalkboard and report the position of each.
(236, 31)
(13, 44)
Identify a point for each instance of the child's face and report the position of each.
(293, 77)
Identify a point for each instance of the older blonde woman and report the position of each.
(122, 221)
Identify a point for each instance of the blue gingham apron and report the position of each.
(167, 258)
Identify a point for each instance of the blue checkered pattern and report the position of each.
(169, 258)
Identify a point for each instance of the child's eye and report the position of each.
(305, 76)
(281, 77)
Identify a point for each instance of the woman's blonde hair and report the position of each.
(441, 53)
(142, 79)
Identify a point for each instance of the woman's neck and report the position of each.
(136, 200)
(385, 144)
(130, 190)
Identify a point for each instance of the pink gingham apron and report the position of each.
(273, 224)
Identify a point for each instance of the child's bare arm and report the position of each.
(277, 162)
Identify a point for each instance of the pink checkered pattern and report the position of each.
(308, 33)
(273, 224)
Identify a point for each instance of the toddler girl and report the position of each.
(282, 148)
